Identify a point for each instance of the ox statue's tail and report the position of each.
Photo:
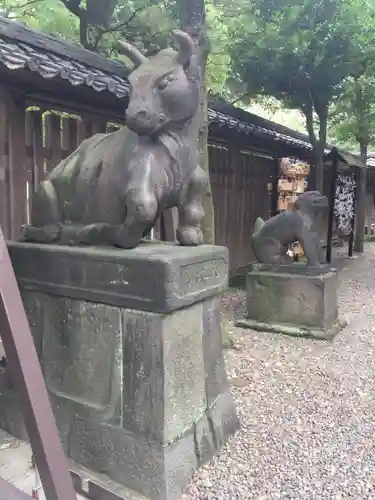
(259, 223)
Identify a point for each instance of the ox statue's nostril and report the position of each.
(134, 114)
(162, 119)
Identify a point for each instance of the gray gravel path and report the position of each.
(307, 409)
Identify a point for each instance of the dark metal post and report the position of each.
(29, 383)
(351, 237)
(360, 209)
(331, 209)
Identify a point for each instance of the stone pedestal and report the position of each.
(293, 299)
(130, 345)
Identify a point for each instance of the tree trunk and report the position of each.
(192, 15)
(99, 12)
(361, 203)
(318, 145)
(208, 224)
(319, 173)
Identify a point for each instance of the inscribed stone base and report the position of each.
(293, 300)
(130, 345)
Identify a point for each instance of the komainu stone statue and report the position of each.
(114, 186)
(271, 239)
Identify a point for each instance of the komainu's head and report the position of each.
(312, 203)
(165, 87)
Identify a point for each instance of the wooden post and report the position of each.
(331, 209)
(4, 165)
(39, 171)
(53, 140)
(360, 210)
(69, 135)
(354, 220)
(85, 129)
(17, 163)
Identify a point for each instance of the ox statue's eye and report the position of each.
(165, 82)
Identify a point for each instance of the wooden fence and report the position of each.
(33, 139)
(239, 180)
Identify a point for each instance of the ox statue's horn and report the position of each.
(134, 54)
(186, 46)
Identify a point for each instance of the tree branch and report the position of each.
(74, 6)
(238, 99)
(122, 24)
(26, 4)
(11, 12)
(116, 27)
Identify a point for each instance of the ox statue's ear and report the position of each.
(187, 47)
(131, 52)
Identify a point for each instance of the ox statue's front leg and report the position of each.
(92, 234)
(141, 210)
(190, 209)
(47, 216)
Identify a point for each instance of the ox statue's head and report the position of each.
(165, 87)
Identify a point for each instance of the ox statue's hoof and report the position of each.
(190, 236)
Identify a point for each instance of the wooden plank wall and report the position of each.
(240, 194)
(32, 142)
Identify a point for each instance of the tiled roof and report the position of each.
(17, 55)
(225, 120)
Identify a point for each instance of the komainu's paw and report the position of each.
(189, 236)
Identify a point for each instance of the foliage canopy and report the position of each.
(312, 56)
(145, 23)
(301, 52)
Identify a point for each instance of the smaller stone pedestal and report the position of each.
(130, 345)
(293, 300)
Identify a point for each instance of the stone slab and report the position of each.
(15, 461)
(139, 393)
(295, 268)
(148, 373)
(156, 471)
(293, 303)
(294, 331)
(154, 277)
(215, 371)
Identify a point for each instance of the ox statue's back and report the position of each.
(113, 187)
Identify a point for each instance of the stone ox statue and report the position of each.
(305, 223)
(114, 186)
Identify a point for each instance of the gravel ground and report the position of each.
(307, 408)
